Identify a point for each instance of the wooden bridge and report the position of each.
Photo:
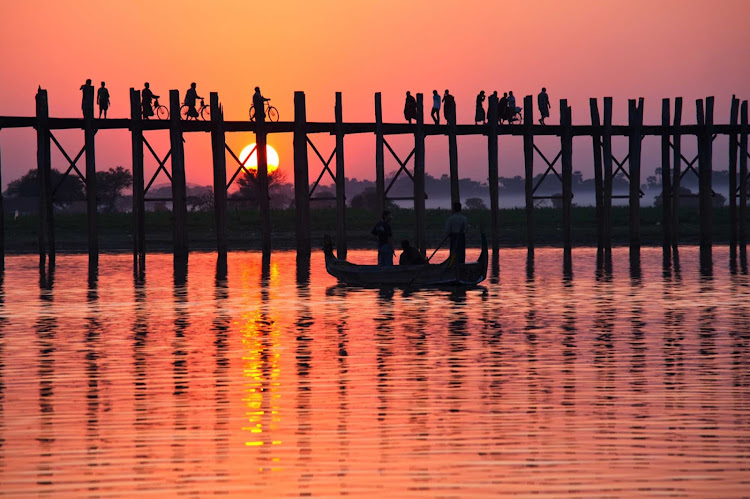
(606, 166)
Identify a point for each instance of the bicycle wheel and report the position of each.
(162, 113)
(184, 112)
(206, 113)
(273, 114)
(252, 113)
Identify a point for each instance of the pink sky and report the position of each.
(577, 49)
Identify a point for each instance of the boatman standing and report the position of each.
(382, 231)
(455, 228)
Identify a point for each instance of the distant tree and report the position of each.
(475, 204)
(201, 199)
(249, 188)
(110, 184)
(71, 189)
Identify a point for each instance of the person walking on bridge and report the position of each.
(191, 97)
(543, 101)
(146, 97)
(410, 108)
(435, 113)
(102, 98)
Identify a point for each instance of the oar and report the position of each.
(428, 260)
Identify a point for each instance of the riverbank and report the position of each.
(243, 228)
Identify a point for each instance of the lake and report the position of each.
(273, 381)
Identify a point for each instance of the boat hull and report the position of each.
(442, 274)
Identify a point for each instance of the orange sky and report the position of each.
(577, 49)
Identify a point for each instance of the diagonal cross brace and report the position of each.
(161, 162)
(241, 163)
(326, 167)
(72, 163)
(402, 165)
(550, 167)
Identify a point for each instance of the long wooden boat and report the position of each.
(446, 273)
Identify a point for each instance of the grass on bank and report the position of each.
(243, 227)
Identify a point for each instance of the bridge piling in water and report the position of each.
(139, 204)
(301, 180)
(179, 182)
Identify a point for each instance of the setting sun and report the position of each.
(252, 164)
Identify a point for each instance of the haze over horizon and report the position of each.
(577, 50)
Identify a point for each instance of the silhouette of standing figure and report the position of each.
(83, 99)
(191, 96)
(146, 97)
(102, 98)
(543, 101)
(497, 110)
(512, 109)
(502, 108)
(449, 107)
(435, 113)
(410, 108)
(479, 115)
(259, 103)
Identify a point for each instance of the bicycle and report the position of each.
(204, 112)
(271, 112)
(161, 112)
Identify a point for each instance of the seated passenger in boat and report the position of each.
(410, 255)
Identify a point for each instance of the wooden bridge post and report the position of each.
(733, 143)
(635, 119)
(607, 185)
(2, 223)
(453, 156)
(301, 172)
(340, 182)
(43, 157)
(596, 141)
(492, 150)
(705, 153)
(419, 174)
(676, 171)
(742, 212)
(218, 149)
(179, 187)
(139, 204)
(528, 161)
(566, 142)
(666, 180)
(379, 157)
(91, 204)
(261, 142)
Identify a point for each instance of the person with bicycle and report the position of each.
(259, 103)
(146, 97)
(191, 96)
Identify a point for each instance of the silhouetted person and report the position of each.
(191, 97)
(382, 231)
(410, 107)
(449, 107)
(146, 97)
(410, 255)
(512, 109)
(502, 107)
(497, 110)
(83, 99)
(543, 101)
(259, 103)
(455, 227)
(435, 113)
(102, 98)
(479, 115)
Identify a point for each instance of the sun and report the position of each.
(272, 157)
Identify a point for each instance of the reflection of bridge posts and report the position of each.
(139, 205)
(179, 188)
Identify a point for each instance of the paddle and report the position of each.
(428, 260)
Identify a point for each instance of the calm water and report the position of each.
(276, 382)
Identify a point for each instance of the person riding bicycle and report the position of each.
(191, 96)
(259, 103)
(146, 97)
